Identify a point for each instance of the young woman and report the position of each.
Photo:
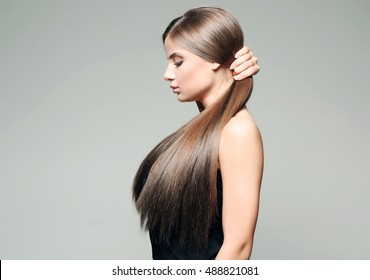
(198, 190)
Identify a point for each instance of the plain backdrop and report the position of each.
(82, 101)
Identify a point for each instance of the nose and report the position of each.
(168, 74)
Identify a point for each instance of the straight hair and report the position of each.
(175, 187)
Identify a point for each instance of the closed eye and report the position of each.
(178, 63)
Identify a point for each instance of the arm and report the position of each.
(245, 64)
(241, 163)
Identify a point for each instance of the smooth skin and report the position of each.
(241, 164)
(240, 152)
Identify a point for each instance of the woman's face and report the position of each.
(191, 77)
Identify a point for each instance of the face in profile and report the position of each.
(191, 77)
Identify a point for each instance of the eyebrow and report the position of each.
(173, 55)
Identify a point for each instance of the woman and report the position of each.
(198, 190)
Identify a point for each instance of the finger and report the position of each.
(243, 50)
(244, 66)
(248, 63)
(247, 73)
(242, 59)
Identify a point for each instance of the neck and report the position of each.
(223, 82)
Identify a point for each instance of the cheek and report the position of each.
(187, 73)
(200, 79)
(193, 78)
(185, 78)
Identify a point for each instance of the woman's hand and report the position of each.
(245, 64)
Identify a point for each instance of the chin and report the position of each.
(182, 98)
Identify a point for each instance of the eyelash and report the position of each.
(178, 64)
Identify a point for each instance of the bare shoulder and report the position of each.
(241, 129)
(241, 146)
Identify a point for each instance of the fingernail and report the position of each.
(237, 78)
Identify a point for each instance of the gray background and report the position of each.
(83, 101)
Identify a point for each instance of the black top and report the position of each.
(173, 251)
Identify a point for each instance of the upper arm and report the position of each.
(241, 164)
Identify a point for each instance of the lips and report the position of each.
(175, 89)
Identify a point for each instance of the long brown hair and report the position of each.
(175, 186)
